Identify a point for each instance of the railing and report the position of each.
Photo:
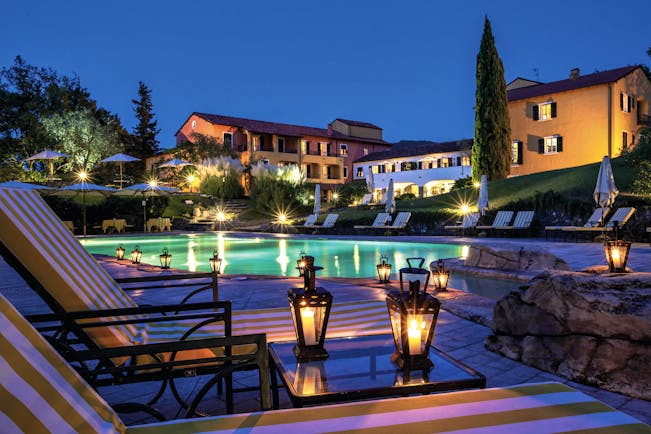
(643, 119)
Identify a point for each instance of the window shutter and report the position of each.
(541, 146)
(553, 109)
(535, 113)
(519, 152)
(559, 144)
(621, 101)
(458, 161)
(630, 103)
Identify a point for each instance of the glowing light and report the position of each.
(476, 184)
(335, 195)
(82, 176)
(464, 251)
(464, 208)
(282, 258)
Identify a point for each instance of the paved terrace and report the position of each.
(460, 337)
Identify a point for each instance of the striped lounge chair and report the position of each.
(40, 393)
(597, 219)
(502, 218)
(521, 223)
(469, 222)
(381, 219)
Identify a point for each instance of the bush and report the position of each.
(406, 196)
(351, 192)
(225, 187)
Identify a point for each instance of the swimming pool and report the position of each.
(277, 256)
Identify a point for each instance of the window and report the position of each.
(343, 150)
(465, 160)
(444, 162)
(194, 124)
(544, 111)
(228, 140)
(381, 168)
(624, 140)
(323, 148)
(365, 151)
(516, 152)
(345, 172)
(360, 172)
(550, 145)
(626, 102)
(281, 144)
(305, 147)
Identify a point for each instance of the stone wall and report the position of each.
(590, 328)
(523, 259)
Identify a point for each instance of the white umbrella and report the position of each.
(176, 163)
(50, 156)
(120, 158)
(146, 189)
(605, 191)
(84, 188)
(24, 185)
(482, 202)
(390, 205)
(317, 199)
(370, 182)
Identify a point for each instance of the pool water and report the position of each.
(277, 256)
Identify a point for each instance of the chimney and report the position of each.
(574, 73)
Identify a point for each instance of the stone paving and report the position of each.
(461, 338)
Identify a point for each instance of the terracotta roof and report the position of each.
(570, 84)
(279, 128)
(411, 148)
(358, 123)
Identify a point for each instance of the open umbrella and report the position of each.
(482, 202)
(147, 189)
(84, 189)
(317, 199)
(120, 158)
(390, 205)
(605, 191)
(176, 163)
(50, 156)
(24, 185)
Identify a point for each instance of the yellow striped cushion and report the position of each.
(39, 391)
(52, 254)
(538, 408)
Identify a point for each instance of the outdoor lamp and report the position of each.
(413, 317)
(165, 259)
(617, 255)
(384, 269)
(119, 253)
(310, 378)
(310, 307)
(441, 276)
(215, 262)
(300, 263)
(136, 254)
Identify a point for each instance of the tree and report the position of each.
(144, 143)
(491, 150)
(203, 147)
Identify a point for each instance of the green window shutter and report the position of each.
(553, 109)
(559, 144)
(535, 113)
(541, 146)
(519, 152)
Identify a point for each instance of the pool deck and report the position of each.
(455, 334)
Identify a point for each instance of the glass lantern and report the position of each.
(136, 255)
(300, 263)
(384, 269)
(441, 276)
(119, 253)
(617, 255)
(215, 262)
(165, 259)
(310, 378)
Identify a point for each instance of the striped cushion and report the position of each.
(39, 391)
(535, 408)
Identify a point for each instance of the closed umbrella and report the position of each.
(317, 199)
(84, 189)
(605, 191)
(147, 189)
(390, 205)
(370, 183)
(482, 202)
(120, 158)
(50, 156)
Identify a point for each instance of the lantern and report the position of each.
(215, 262)
(384, 269)
(441, 276)
(165, 259)
(617, 255)
(310, 307)
(119, 253)
(413, 316)
(136, 254)
(310, 378)
(300, 263)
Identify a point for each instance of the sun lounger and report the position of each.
(366, 199)
(597, 219)
(502, 218)
(330, 221)
(310, 221)
(469, 222)
(521, 223)
(620, 216)
(41, 393)
(381, 219)
(399, 224)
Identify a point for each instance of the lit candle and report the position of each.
(414, 336)
(310, 380)
(309, 332)
(617, 259)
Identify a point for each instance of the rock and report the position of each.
(585, 327)
(524, 259)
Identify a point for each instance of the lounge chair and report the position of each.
(469, 222)
(41, 393)
(330, 221)
(367, 198)
(597, 219)
(399, 224)
(620, 216)
(502, 218)
(381, 219)
(521, 223)
(310, 221)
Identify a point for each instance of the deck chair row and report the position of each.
(595, 224)
(381, 222)
(501, 223)
(329, 221)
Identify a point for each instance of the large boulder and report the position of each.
(508, 259)
(592, 328)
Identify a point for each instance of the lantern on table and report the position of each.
(300, 263)
(119, 253)
(136, 255)
(310, 307)
(215, 262)
(384, 269)
(165, 259)
(441, 276)
(413, 314)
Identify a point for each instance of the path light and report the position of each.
(300, 263)
(413, 317)
(119, 253)
(215, 262)
(384, 269)
(136, 255)
(310, 307)
(441, 276)
(165, 259)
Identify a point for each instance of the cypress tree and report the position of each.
(144, 141)
(491, 150)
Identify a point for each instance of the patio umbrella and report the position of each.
(390, 205)
(84, 189)
(50, 156)
(120, 158)
(147, 190)
(317, 199)
(370, 182)
(24, 185)
(176, 163)
(482, 202)
(605, 191)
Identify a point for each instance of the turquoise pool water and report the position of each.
(277, 256)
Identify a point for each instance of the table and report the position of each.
(117, 225)
(160, 224)
(361, 368)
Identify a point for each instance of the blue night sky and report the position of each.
(406, 66)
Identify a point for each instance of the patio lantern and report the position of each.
(310, 378)
(384, 269)
(310, 307)
(136, 255)
(215, 262)
(413, 316)
(165, 259)
(119, 253)
(617, 255)
(300, 263)
(441, 276)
